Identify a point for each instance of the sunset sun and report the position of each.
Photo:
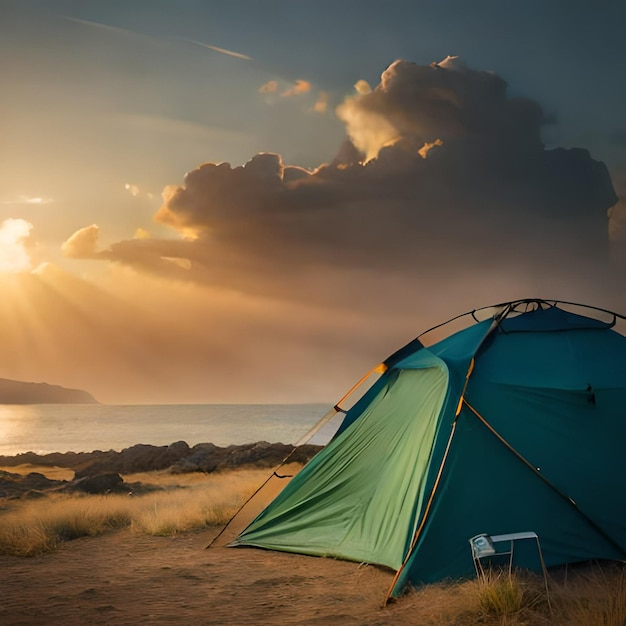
(13, 254)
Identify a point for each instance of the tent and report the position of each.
(515, 423)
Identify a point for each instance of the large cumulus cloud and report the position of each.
(444, 101)
(443, 178)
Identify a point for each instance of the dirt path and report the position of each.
(122, 578)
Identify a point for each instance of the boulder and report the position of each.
(16, 485)
(203, 457)
(138, 458)
(210, 458)
(110, 482)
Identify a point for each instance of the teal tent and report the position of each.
(516, 423)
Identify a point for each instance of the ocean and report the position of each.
(45, 428)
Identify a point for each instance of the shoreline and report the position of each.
(101, 472)
(203, 457)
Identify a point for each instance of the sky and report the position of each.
(258, 201)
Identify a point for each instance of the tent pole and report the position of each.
(417, 533)
(507, 308)
(511, 306)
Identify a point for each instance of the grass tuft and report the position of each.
(500, 594)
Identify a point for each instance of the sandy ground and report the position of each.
(123, 578)
(126, 578)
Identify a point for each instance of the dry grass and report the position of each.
(500, 594)
(39, 526)
(184, 503)
(204, 500)
(594, 595)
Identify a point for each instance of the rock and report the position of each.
(71, 460)
(110, 482)
(139, 458)
(203, 457)
(17, 485)
(210, 458)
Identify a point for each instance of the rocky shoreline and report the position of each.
(101, 471)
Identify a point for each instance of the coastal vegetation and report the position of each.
(175, 504)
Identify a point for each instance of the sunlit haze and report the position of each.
(257, 202)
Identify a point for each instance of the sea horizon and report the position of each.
(49, 428)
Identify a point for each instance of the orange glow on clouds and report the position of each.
(301, 86)
(82, 243)
(428, 146)
(296, 89)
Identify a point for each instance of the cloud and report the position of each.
(137, 192)
(445, 101)
(36, 200)
(368, 131)
(105, 27)
(275, 90)
(362, 87)
(300, 87)
(82, 244)
(443, 186)
(13, 254)
(142, 233)
(237, 55)
(321, 104)
(617, 220)
(271, 86)
(132, 189)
